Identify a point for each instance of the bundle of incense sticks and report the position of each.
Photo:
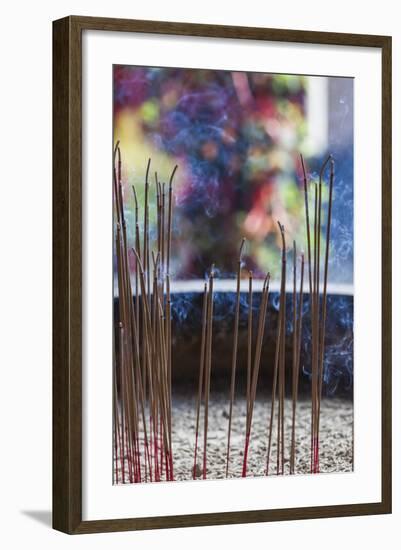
(142, 376)
(317, 300)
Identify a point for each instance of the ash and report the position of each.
(336, 437)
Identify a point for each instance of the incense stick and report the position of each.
(294, 354)
(279, 364)
(201, 375)
(322, 330)
(297, 334)
(169, 218)
(249, 356)
(234, 355)
(281, 372)
(255, 372)
(208, 366)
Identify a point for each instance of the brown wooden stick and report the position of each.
(163, 230)
(208, 367)
(234, 354)
(255, 372)
(137, 246)
(324, 299)
(280, 426)
(169, 218)
(116, 422)
(296, 364)
(311, 301)
(249, 357)
(201, 381)
(278, 364)
(158, 213)
(117, 178)
(118, 356)
(294, 355)
(274, 388)
(307, 221)
(122, 404)
(169, 365)
(314, 335)
(146, 266)
(165, 397)
(149, 341)
(148, 468)
(132, 391)
(316, 316)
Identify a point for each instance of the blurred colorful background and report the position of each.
(237, 138)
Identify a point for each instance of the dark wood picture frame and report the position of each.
(67, 275)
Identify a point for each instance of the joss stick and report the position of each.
(296, 356)
(294, 352)
(117, 178)
(277, 363)
(281, 372)
(117, 435)
(123, 437)
(146, 266)
(274, 387)
(137, 246)
(155, 364)
(168, 298)
(131, 373)
(169, 217)
(119, 446)
(168, 362)
(142, 404)
(128, 390)
(324, 299)
(234, 355)
(316, 323)
(314, 337)
(131, 413)
(249, 358)
(122, 302)
(147, 377)
(158, 213)
(307, 221)
(208, 366)
(255, 372)
(201, 375)
(138, 310)
(163, 395)
(317, 315)
(162, 237)
(159, 414)
(149, 344)
(311, 307)
(135, 321)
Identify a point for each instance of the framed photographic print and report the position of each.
(221, 274)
